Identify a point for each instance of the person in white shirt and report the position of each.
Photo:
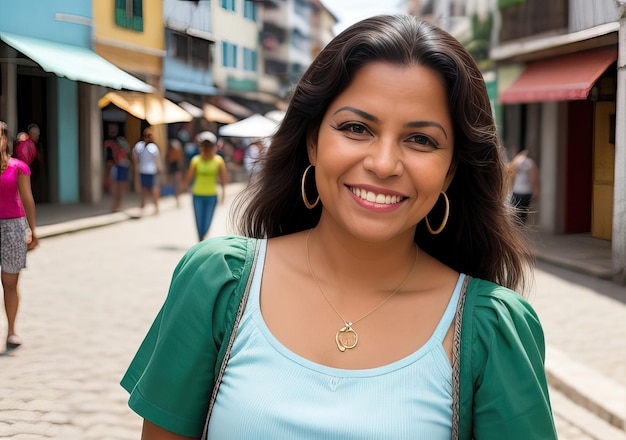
(251, 158)
(525, 177)
(147, 161)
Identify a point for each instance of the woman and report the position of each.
(17, 228)
(365, 303)
(204, 170)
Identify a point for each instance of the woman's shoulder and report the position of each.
(19, 165)
(485, 295)
(231, 249)
(493, 309)
(213, 268)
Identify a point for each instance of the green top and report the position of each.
(205, 175)
(503, 391)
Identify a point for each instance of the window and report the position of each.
(249, 59)
(229, 54)
(190, 50)
(181, 46)
(200, 52)
(129, 14)
(249, 10)
(229, 5)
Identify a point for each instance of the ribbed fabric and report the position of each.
(269, 392)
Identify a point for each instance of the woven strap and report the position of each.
(456, 359)
(231, 341)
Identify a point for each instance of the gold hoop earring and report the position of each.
(445, 217)
(304, 199)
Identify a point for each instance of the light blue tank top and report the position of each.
(269, 392)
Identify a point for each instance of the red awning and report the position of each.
(564, 78)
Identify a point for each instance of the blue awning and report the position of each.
(74, 63)
(188, 87)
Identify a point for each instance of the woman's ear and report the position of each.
(450, 175)
(311, 147)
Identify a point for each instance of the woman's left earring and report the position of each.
(302, 188)
(445, 217)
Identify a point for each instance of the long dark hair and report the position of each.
(7, 151)
(480, 237)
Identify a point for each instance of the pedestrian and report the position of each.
(173, 158)
(118, 163)
(205, 170)
(371, 294)
(17, 229)
(252, 159)
(147, 161)
(525, 175)
(26, 147)
(26, 150)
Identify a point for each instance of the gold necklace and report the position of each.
(346, 336)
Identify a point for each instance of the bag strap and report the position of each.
(456, 359)
(231, 341)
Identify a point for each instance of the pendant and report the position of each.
(346, 337)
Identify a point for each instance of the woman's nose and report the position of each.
(384, 158)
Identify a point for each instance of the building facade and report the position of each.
(131, 35)
(561, 87)
(52, 77)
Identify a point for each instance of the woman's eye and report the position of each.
(421, 139)
(353, 128)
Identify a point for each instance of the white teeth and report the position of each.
(382, 199)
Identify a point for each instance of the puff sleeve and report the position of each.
(171, 377)
(503, 345)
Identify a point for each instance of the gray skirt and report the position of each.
(13, 246)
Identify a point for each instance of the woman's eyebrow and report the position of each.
(420, 124)
(361, 113)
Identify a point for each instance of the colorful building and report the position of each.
(52, 77)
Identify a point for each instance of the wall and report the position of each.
(67, 140)
(139, 53)
(232, 27)
(152, 35)
(584, 14)
(550, 169)
(41, 19)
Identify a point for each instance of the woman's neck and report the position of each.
(350, 260)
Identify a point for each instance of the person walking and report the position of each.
(26, 150)
(525, 176)
(26, 147)
(205, 170)
(370, 293)
(174, 161)
(147, 162)
(17, 229)
(252, 158)
(118, 163)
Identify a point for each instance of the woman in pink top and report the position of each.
(17, 228)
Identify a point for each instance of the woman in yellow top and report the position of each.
(204, 170)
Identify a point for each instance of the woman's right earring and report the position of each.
(302, 188)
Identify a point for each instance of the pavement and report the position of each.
(583, 314)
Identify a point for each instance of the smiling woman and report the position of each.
(369, 295)
(394, 147)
